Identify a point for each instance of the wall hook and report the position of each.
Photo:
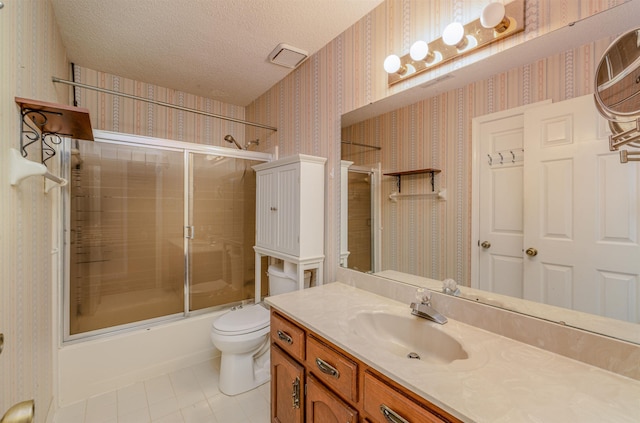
(21, 168)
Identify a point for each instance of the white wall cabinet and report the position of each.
(290, 213)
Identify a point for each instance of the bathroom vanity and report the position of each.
(352, 352)
(313, 377)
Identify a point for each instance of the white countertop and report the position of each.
(502, 380)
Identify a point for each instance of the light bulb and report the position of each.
(393, 64)
(493, 16)
(420, 51)
(453, 35)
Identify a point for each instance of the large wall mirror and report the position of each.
(430, 223)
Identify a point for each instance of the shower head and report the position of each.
(230, 139)
(250, 143)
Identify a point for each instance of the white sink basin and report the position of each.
(409, 336)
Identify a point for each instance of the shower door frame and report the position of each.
(375, 212)
(187, 150)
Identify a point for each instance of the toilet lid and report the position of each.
(245, 319)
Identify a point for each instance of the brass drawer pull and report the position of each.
(285, 337)
(295, 395)
(327, 368)
(391, 416)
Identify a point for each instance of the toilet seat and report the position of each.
(242, 320)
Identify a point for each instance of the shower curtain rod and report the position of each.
(361, 145)
(160, 103)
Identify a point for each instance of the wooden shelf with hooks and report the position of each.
(399, 175)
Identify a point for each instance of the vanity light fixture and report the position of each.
(494, 16)
(453, 35)
(392, 64)
(420, 52)
(497, 21)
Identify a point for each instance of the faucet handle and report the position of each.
(449, 286)
(423, 296)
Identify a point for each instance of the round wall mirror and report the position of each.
(617, 90)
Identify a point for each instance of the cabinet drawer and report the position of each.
(333, 368)
(381, 399)
(288, 336)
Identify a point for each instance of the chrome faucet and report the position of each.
(422, 308)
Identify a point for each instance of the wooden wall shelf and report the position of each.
(61, 120)
(399, 176)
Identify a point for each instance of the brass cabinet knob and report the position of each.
(485, 244)
(531, 252)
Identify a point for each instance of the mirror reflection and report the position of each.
(529, 202)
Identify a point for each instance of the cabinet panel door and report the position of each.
(266, 205)
(288, 214)
(325, 407)
(287, 388)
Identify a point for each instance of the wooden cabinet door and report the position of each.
(325, 407)
(287, 388)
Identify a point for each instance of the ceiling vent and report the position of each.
(287, 56)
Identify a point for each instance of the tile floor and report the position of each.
(189, 395)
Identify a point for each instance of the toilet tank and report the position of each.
(281, 281)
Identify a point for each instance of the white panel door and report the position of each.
(266, 202)
(288, 209)
(500, 234)
(581, 212)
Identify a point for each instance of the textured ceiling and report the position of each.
(213, 48)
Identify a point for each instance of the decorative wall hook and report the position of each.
(21, 168)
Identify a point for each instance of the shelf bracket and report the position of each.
(48, 123)
(29, 134)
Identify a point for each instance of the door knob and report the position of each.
(485, 244)
(531, 252)
(22, 412)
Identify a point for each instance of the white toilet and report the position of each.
(242, 336)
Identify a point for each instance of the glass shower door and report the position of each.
(221, 230)
(126, 245)
(360, 229)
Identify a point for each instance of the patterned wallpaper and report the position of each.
(425, 236)
(120, 114)
(31, 52)
(305, 107)
(347, 74)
